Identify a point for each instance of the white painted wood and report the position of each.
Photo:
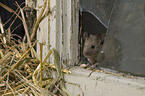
(43, 31)
(70, 31)
(30, 3)
(102, 84)
(60, 30)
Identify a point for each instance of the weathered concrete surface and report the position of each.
(102, 84)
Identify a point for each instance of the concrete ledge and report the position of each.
(102, 84)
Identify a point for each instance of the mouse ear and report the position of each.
(85, 35)
(101, 38)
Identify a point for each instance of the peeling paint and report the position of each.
(102, 84)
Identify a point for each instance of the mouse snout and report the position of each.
(87, 53)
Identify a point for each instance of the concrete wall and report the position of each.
(103, 84)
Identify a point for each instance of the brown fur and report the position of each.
(93, 49)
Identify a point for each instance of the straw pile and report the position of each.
(22, 71)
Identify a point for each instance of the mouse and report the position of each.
(92, 47)
(101, 48)
(112, 50)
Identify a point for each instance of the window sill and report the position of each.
(102, 84)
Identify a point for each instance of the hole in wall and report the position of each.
(124, 24)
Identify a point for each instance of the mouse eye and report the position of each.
(92, 46)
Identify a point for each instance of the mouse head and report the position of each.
(93, 44)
